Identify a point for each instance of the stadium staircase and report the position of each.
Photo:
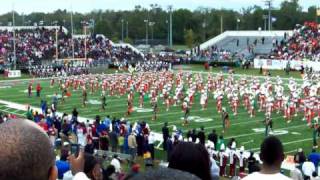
(228, 41)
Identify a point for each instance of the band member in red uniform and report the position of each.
(38, 89)
(242, 160)
(223, 161)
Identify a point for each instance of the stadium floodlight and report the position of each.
(238, 23)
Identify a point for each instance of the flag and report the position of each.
(318, 12)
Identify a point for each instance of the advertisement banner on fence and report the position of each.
(277, 64)
(14, 73)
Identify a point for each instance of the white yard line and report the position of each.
(239, 75)
(290, 142)
(21, 107)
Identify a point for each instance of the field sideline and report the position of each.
(247, 131)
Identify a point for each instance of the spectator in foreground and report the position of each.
(295, 173)
(299, 157)
(115, 162)
(271, 154)
(22, 157)
(314, 157)
(165, 174)
(190, 157)
(308, 168)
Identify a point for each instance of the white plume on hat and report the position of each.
(222, 147)
(241, 148)
(233, 145)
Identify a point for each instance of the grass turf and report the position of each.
(295, 135)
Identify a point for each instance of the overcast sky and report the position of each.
(28, 6)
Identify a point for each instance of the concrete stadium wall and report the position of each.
(220, 37)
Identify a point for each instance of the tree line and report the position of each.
(191, 27)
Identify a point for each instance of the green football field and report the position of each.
(247, 131)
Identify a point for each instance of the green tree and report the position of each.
(189, 38)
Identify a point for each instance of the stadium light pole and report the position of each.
(85, 25)
(269, 5)
(71, 19)
(55, 23)
(170, 25)
(204, 25)
(221, 24)
(238, 23)
(168, 33)
(151, 24)
(127, 29)
(14, 40)
(265, 17)
(122, 32)
(146, 21)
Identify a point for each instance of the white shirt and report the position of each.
(259, 176)
(296, 174)
(151, 139)
(116, 163)
(308, 168)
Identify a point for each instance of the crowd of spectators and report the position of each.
(216, 53)
(210, 159)
(303, 44)
(43, 71)
(40, 44)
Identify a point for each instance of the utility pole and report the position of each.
(269, 5)
(170, 25)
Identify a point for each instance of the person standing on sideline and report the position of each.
(132, 143)
(151, 140)
(272, 156)
(202, 136)
(113, 136)
(225, 119)
(213, 137)
(165, 135)
(169, 148)
(308, 168)
(103, 101)
(30, 90)
(38, 89)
